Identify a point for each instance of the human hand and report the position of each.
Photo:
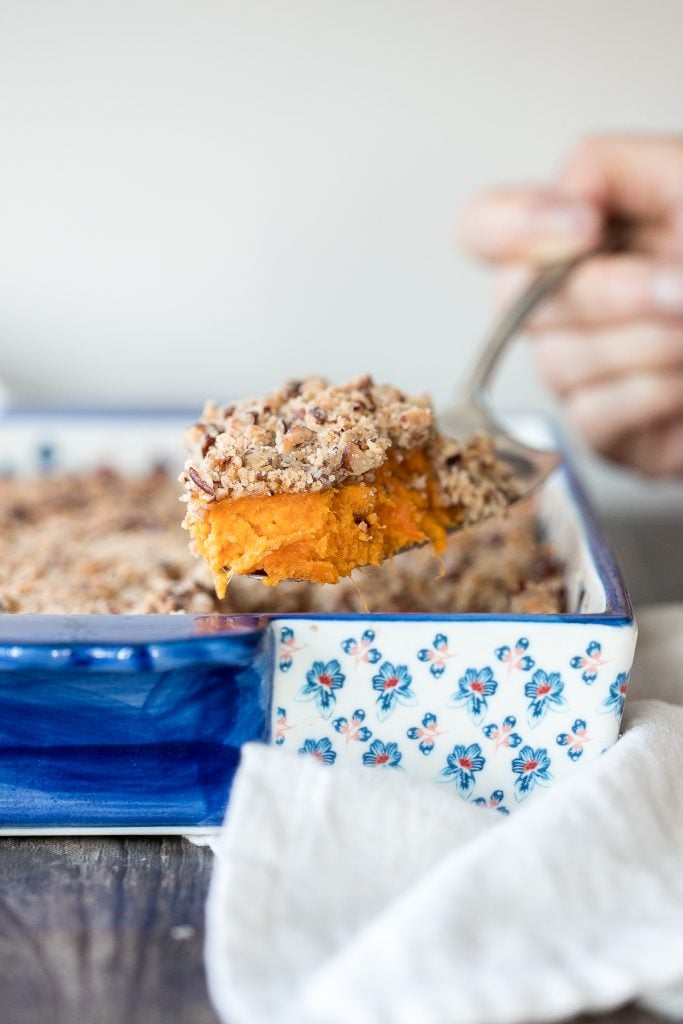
(610, 343)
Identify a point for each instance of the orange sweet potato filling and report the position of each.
(323, 535)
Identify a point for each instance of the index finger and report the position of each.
(529, 223)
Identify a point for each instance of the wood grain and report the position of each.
(102, 931)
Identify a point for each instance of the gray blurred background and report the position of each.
(201, 198)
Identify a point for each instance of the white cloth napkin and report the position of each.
(342, 899)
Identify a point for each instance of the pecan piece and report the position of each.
(295, 436)
(207, 444)
(202, 484)
(356, 460)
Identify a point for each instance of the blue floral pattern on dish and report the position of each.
(281, 726)
(590, 662)
(617, 695)
(382, 755)
(473, 689)
(545, 690)
(532, 768)
(516, 657)
(574, 741)
(494, 802)
(426, 733)
(353, 729)
(437, 655)
(461, 766)
(519, 721)
(288, 648)
(502, 735)
(362, 650)
(393, 683)
(322, 679)
(321, 750)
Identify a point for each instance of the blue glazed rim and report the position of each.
(127, 643)
(130, 643)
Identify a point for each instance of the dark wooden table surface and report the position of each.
(110, 931)
(103, 931)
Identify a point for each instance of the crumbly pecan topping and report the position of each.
(472, 477)
(310, 435)
(305, 436)
(97, 543)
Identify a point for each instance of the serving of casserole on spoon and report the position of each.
(312, 481)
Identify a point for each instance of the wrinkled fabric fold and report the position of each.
(342, 898)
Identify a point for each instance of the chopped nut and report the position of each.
(356, 460)
(208, 442)
(295, 436)
(195, 477)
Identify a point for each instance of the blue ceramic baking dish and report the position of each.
(134, 723)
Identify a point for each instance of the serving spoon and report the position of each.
(471, 413)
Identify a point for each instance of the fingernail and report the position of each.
(564, 219)
(667, 289)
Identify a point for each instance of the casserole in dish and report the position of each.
(134, 722)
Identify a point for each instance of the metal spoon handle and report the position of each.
(544, 283)
(617, 237)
